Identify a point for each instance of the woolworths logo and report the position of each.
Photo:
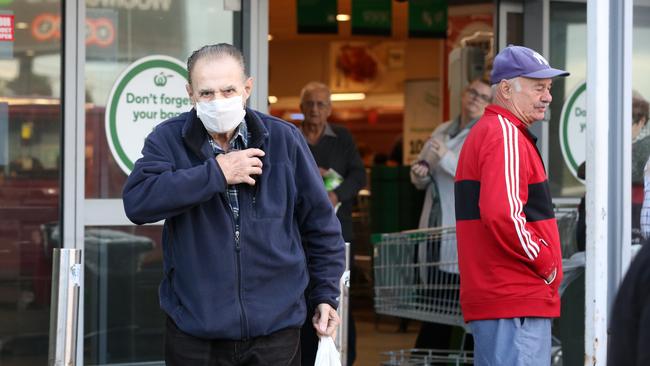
(161, 79)
(149, 91)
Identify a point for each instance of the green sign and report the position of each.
(573, 129)
(317, 16)
(428, 18)
(373, 17)
(149, 91)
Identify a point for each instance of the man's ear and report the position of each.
(248, 89)
(188, 88)
(505, 89)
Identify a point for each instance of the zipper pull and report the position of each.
(237, 240)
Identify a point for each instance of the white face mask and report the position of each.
(221, 115)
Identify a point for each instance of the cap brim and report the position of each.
(546, 74)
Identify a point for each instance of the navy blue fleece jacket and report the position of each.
(219, 285)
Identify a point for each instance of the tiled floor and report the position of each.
(376, 335)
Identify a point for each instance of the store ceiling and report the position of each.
(283, 25)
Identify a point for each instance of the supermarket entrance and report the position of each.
(70, 73)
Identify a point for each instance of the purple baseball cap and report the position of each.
(514, 61)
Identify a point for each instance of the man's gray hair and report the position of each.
(514, 82)
(315, 85)
(215, 51)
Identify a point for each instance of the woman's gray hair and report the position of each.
(215, 51)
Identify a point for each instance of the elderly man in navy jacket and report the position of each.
(248, 224)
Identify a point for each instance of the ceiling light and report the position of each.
(269, 37)
(273, 99)
(22, 25)
(339, 97)
(343, 17)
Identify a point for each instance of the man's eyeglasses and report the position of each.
(475, 94)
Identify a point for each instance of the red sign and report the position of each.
(6, 27)
(99, 32)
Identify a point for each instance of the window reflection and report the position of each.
(30, 125)
(123, 321)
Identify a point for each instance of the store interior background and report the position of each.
(377, 122)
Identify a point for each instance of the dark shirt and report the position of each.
(337, 150)
(630, 321)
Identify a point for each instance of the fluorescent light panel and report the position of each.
(343, 17)
(341, 97)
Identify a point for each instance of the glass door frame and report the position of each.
(73, 142)
(79, 212)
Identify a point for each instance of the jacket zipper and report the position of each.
(243, 320)
(255, 190)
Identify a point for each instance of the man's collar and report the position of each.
(242, 131)
(329, 131)
(497, 109)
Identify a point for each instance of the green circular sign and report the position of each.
(573, 129)
(149, 91)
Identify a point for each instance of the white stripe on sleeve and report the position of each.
(511, 172)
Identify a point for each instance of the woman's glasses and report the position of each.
(475, 94)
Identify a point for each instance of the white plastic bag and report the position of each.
(327, 354)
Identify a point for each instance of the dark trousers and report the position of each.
(439, 336)
(279, 348)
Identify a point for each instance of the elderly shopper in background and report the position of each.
(344, 175)
(434, 172)
(640, 168)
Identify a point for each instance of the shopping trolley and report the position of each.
(416, 277)
(341, 339)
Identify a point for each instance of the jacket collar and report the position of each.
(496, 109)
(195, 135)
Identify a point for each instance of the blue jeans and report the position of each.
(512, 342)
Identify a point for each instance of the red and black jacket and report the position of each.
(508, 241)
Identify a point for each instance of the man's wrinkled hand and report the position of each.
(334, 199)
(325, 320)
(240, 166)
(322, 171)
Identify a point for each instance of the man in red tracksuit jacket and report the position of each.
(508, 242)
